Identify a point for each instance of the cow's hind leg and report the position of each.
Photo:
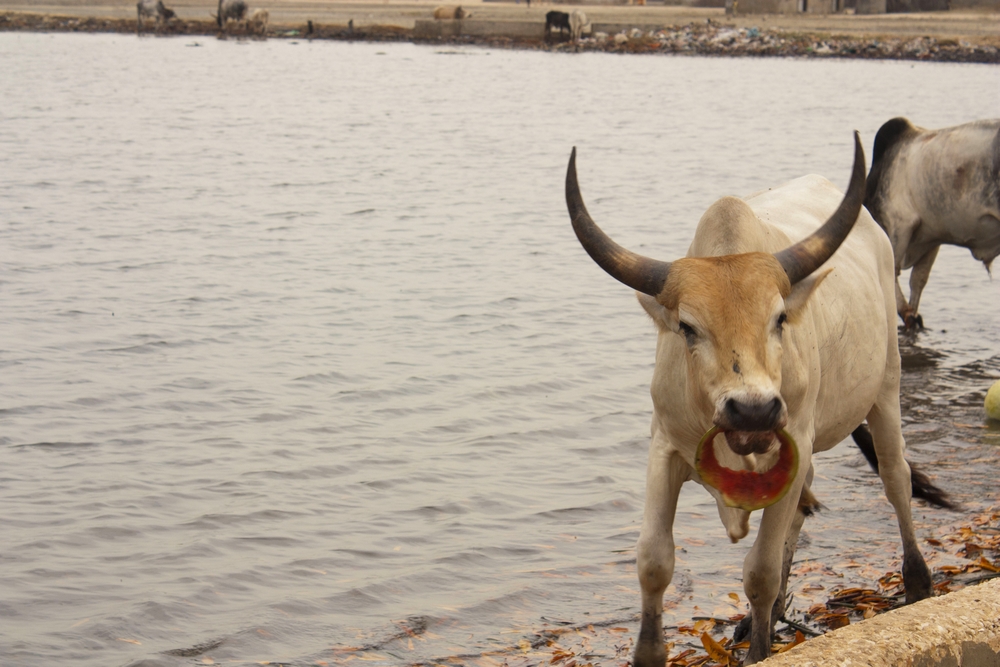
(884, 422)
(655, 549)
(921, 485)
(918, 280)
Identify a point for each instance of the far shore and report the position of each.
(964, 36)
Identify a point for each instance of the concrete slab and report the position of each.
(960, 629)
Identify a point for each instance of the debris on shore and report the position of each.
(698, 39)
(713, 39)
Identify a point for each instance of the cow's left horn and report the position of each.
(810, 253)
(638, 272)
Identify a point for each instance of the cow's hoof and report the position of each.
(650, 651)
(913, 322)
(648, 656)
(742, 630)
(917, 581)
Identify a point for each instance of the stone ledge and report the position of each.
(960, 629)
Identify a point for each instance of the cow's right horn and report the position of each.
(638, 272)
(804, 257)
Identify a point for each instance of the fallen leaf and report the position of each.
(799, 638)
(986, 565)
(715, 650)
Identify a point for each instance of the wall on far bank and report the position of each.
(434, 28)
(975, 4)
(861, 6)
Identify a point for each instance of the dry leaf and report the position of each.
(799, 638)
(715, 650)
(986, 565)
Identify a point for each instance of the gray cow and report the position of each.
(152, 9)
(231, 10)
(932, 187)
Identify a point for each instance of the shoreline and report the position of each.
(969, 37)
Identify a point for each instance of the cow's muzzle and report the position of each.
(750, 426)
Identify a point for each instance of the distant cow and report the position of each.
(931, 187)
(231, 10)
(451, 12)
(152, 9)
(257, 21)
(577, 24)
(556, 19)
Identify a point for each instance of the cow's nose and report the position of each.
(752, 415)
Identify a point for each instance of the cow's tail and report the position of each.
(922, 486)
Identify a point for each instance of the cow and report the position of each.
(257, 21)
(932, 187)
(556, 19)
(451, 12)
(577, 25)
(230, 10)
(153, 9)
(763, 351)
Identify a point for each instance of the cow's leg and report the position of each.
(902, 307)
(764, 565)
(901, 238)
(666, 473)
(807, 505)
(884, 422)
(918, 279)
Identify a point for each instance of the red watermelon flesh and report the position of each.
(746, 489)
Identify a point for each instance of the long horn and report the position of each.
(638, 272)
(810, 253)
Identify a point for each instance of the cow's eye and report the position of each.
(688, 332)
(781, 322)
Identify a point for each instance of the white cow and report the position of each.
(756, 339)
(257, 21)
(578, 24)
(932, 187)
(152, 9)
(451, 12)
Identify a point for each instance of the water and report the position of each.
(299, 352)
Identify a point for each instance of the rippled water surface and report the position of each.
(299, 351)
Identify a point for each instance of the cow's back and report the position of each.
(952, 176)
(847, 336)
(933, 187)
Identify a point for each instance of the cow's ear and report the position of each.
(665, 319)
(801, 291)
